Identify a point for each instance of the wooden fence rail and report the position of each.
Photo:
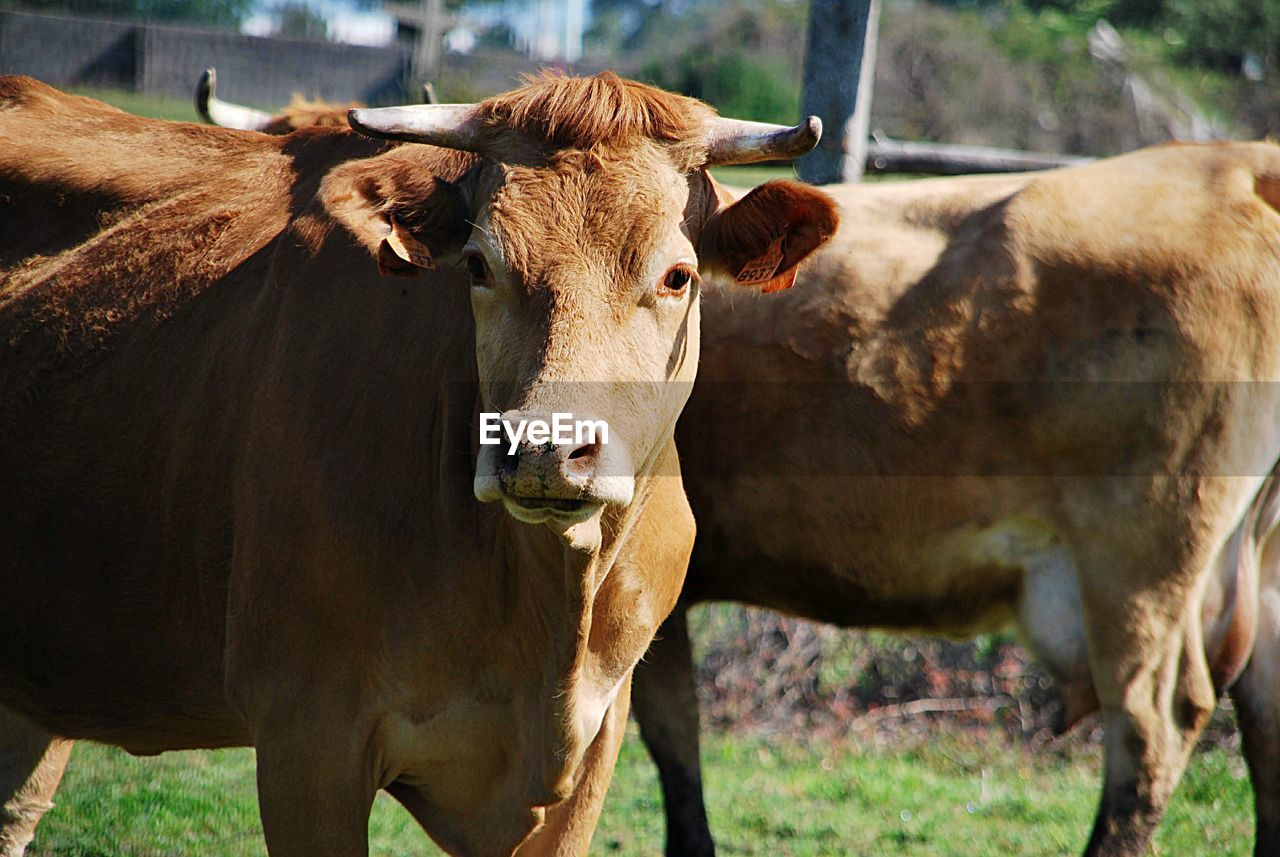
(945, 159)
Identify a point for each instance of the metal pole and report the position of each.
(839, 71)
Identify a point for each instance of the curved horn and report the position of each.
(736, 141)
(450, 126)
(222, 113)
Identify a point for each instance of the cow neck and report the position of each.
(551, 586)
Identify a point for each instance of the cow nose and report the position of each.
(553, 460)
(566, 469)
(549, 468)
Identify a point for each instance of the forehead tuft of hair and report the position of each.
(603, 111)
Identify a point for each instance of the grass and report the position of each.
(750, 176)
(764, 797)
(154, 106)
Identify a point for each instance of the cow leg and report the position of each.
(31, 765)
(569, 825)
(314, 797)
(1155, 693)
(666, 707)
(1257, 698)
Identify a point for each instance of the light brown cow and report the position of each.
(1046, 399)
(239, 464)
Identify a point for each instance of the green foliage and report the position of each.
(739, 56)
(1218, 34)
(735, 83)
(223, 12)
(1221, 33)
(1015, 73)
(299, 20)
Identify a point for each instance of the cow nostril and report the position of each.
(581, 462)
(584, 451)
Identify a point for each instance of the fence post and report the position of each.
(839, 71)
(426, 52)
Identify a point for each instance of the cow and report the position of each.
(300, 113)
(1042, 399)
(246, 501)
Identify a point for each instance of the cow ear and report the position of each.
(408, 219)
(759, 240)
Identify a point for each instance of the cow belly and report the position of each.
(116, 652)
(144, 692)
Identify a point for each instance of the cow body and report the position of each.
(1043, 400)
(240, 464)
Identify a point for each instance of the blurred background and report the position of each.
(1089, 77)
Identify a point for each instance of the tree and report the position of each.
(742, 56)
(298, 20)
(1222, 33)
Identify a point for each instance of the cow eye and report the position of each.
(676, 280)
(478, 271)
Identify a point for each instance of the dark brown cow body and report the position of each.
(1040, 399)
(239, 464)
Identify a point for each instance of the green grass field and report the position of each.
(156, 107)
(765, 798)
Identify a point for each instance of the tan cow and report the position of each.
(1040, 399)
(239, 464)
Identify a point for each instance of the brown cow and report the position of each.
(239, 464)
(1036, 398)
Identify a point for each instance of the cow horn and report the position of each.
(450, 126)
(223, 113)
(737, 141)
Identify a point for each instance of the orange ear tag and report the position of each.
(408, 248)
(762, 268)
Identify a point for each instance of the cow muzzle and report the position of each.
(541, 481)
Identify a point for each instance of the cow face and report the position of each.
(584, 290)
(584, 228)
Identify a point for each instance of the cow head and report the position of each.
(584, 218)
